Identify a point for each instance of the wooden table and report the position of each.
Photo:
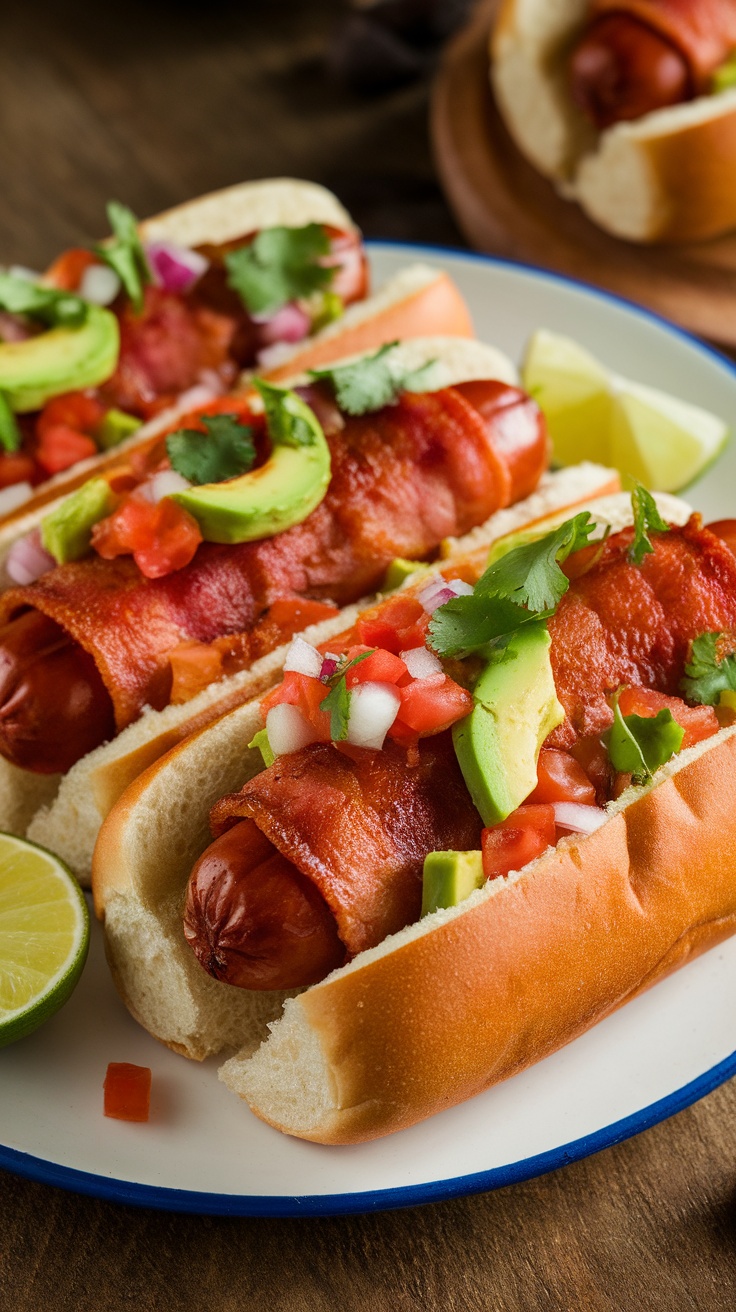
(153, 103)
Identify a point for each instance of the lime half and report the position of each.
(592, 414)
(44, 936)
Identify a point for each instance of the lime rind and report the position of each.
(44, 936)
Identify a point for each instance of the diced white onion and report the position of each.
(578, 817)
(461, 589)
(100, 284)
(175, 268)
(373, 709)
(303, 658)
(287, 729)
(421, 663)
(273, 356)
(26, 274)
(27, 560)
(13, 496)
(163, 484)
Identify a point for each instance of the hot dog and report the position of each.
(649, 68)
(470, 995)
(431, 466)
(187, 321)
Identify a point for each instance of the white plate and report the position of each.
(202, 1151)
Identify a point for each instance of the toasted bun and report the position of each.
(668, 176)
(234, 212)
(142, 860)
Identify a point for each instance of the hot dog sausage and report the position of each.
(516, 428)
(252, 919)
(54, 707)
(622, 69)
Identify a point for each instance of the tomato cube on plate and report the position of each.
(127, 1091)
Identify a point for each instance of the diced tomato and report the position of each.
(67, 271)
(71, 410)
(430, 705)
(699, 722)
(307, 693)
(518, 839)
(15, 467)
(194, 666)
(127, 1091)
(396, 625)
(161, 538)
(296, 613)
(561, 779)
(378, 666)
(61, 447)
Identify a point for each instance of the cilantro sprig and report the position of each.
(125, 254)
(225, 450)
(707, 674)
(639, 744)
(646, 517)
(280, 265)
(10, 434)
(337, 701)
(526, 584)
(46, 304)
(375, 380)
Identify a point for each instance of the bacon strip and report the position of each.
(360, 826)
(622, 623)
(704, 31)
(403, 479)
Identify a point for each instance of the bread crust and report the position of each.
(668, 177)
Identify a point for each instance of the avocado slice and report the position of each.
(450, 877)
(516, 707)
(61, 360)
(66, 532)
(400, 570)
(267, 500)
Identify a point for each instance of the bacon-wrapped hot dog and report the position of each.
(564, 78)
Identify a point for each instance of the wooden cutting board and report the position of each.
(505, 207)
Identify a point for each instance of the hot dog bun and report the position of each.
(418, 301)
(665, 177)
(142, 860)
(72, 809)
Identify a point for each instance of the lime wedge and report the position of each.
(592, 414)
(44, 936)
(573, 391)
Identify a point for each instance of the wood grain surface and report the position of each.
(153, 103)
(503, 205)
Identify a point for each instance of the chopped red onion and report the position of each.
(421, 663)
(27, 559)
(303, 658)
(175, 268)
(578, 817)
(14, 496)
(329, 667)
(347, 264)
(163, 484)
(14, 328)
(287, 729)
(100, 284)
(373, 709)
(289, 324)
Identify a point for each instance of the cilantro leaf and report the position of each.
(280, 265)
(224, 451)
(337, 703)
(52, 307)
(375, 380)
(707, 676)
(290, 420)
(525, 584)
(639, 744)
(125, 254)
(646, 516)
(10, 434)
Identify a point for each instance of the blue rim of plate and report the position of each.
(434, 1191)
